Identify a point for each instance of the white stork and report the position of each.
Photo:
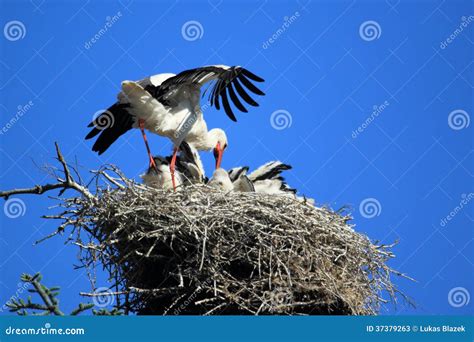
(189, 169)
(267, 179)
(169, 105)
(220, 180)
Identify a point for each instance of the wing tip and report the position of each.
(251, 75)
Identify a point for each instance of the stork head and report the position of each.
(220, 180)
(218, 142)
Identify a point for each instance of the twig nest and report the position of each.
(203, 251)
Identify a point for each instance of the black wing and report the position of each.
(271, 170)
(236, 172)
(111, 124)
(186, 163)
(187, 153)
(285, 187)
(190, 163)
(229, 82)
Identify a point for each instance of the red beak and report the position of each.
(218, 151)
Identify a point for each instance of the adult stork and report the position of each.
(169, 105)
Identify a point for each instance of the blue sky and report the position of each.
(327, 65)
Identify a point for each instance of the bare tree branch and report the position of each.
(63, 184)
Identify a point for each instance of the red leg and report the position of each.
(141, 123)
(172, 167)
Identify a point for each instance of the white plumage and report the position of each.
(169, 105)
(220, 180)
(266, 179)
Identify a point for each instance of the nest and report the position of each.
(202, 251)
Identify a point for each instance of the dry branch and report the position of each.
(67, 183)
